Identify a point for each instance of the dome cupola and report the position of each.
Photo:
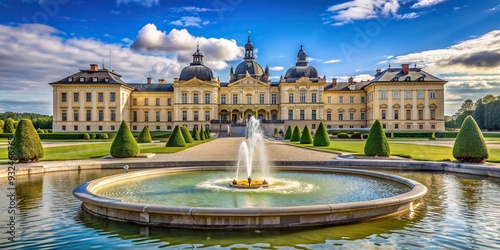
(196, 69)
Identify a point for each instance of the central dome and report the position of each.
(196, 69)
(252, 67)
(301, 69)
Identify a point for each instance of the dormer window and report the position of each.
(70, 79)
(395, 79)
(421, 79)
(408, 79)
(352, 87)
(94, 79)
(82, 79)
(106, 79)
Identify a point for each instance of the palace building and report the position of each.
(98, 100)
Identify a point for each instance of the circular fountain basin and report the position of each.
(206, 212)
(254, 184)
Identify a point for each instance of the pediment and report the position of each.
(195, 82)
(248, 81)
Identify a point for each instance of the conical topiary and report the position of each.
(144, 136)
(306, 137)
(377, 144)
(288, 133)
(202, 134)
(186, 134)
(9, 126)
(296, 134)
(470, 145)
(321, 137)
(208, 135)
(124, 145)
(27, 144)
(195, 134)
(176, 138)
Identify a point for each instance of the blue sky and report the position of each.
(42, 41)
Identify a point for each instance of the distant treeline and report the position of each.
(486, 112)
(38, 120)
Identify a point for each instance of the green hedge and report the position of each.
(63, 136)
(343, 135)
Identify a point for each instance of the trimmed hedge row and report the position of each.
(66, 136)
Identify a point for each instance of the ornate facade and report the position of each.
(97, 99)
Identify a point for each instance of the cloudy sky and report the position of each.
(43, 41)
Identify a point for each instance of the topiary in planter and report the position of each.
(296, 134)
(377, 144)
(144, 136)
(124, 145)
(306, 137)
(186, 134)
(202, 134)
(470, 145)
(27, 144)
(195, 134)
(321, 137)
(288, 133)
(9, 126)
(86, 136)
(176, 138)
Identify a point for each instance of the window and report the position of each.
(302, 97)
(290, 114)
(396, 126)
(420, 114)
(134, 127)
(157, 128)
(302, 114)
(384, 126)
(184, 115)
(112, 127)
(88, 115)
(383, 114)
(100, 97)
(94, 79)
(383, 95)
(100, 128)
(341, 116)
(88, 97)
(313, 114)
(351, 116)
(433, 114)
(63, 97)
(408, 79)
(329, 99)
(273, 99)
(341, 126)
(195, 115)
(76, 97)
(134, 116)
(341, 99)
(64, 116)
(134, 101)
(223, 99)
(82, 79)
(408, 95)
(112, 97)
(408, 126)
(351, 126)
(63, 128)
(313, 98)
(88, 128)
(249, 100)
(195, 98)
(420, 94)
(75, 128)
(235, 98)
(396, 114)
(313, 126)
(157, 116)
(396, 95)
(169, 101)
(363, 116)
(75, 115)
(261, 98)
(146, 116)
(362, 99)
(329, 116)
(106, 79)
(169, 127)
(207, 98)
(157, 102)
(207, 115)
(408, 114)
(433, 95)
(433, 126)
(351, 99)
(169, 116)
(113, 115)
(70, 79)
(420, 126)
(290, 97)
(101, 115)
(146, 101)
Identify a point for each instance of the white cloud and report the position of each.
(332, 61)
(312, 59)
(115, 12)
(389, 57)
(356, 78)
(426, 3)
(411, 15)
(194, 9)
(353, 10)
(190, 21)
(145, 3)
(276, 68)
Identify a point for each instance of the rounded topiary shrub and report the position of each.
(288, 133)
(470, 145)
(92, 136)
(144, 136)
(296, 134)
(321, 137)
(356, 135)
(124, 145)
(343, 135)
(2, 123)
(433, 137)
(306, 137)
(9, 126)
(202, 134)
(86, 136)
(186, 134)
(176, 138)
(195, 134)
(104, 136)
(377, 144)
(27, 144)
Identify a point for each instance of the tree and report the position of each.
(27, 144)
(478, 114)
(467, 105)
(492, 116)
(488, 98)
(185, 133)
(377, 144)
(321, 137)
(2, 123)
(124, 145)
(470, 145)
(306, 137)
(460, 118)
(176, 138)
(288, 133)
(296, 134)
(9, 126)
(195, 134)
(144, 136)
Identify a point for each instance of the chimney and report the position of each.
(149, 80)
(405, 68)
(351, 80)
(334, 81)
(94, 67)
(378, 73)
(161, 81)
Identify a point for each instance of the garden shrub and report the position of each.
(356, 135)
(2, 123)
(296, 134)
(9, 126)
(124, 145)
(343, 135)
(186, 134)
(27, 144)
(306, 137)
(144, 136)
(195, 134)
(92, 136)
(281, 132)
(288, 133)
(86, 136)
(275, 131)
(470, 145)
(40, 131)
(321, 137)
(176, 139)
(208, 135)
(105, 136)
(377, 144)
(433, 137)
(202, 134)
